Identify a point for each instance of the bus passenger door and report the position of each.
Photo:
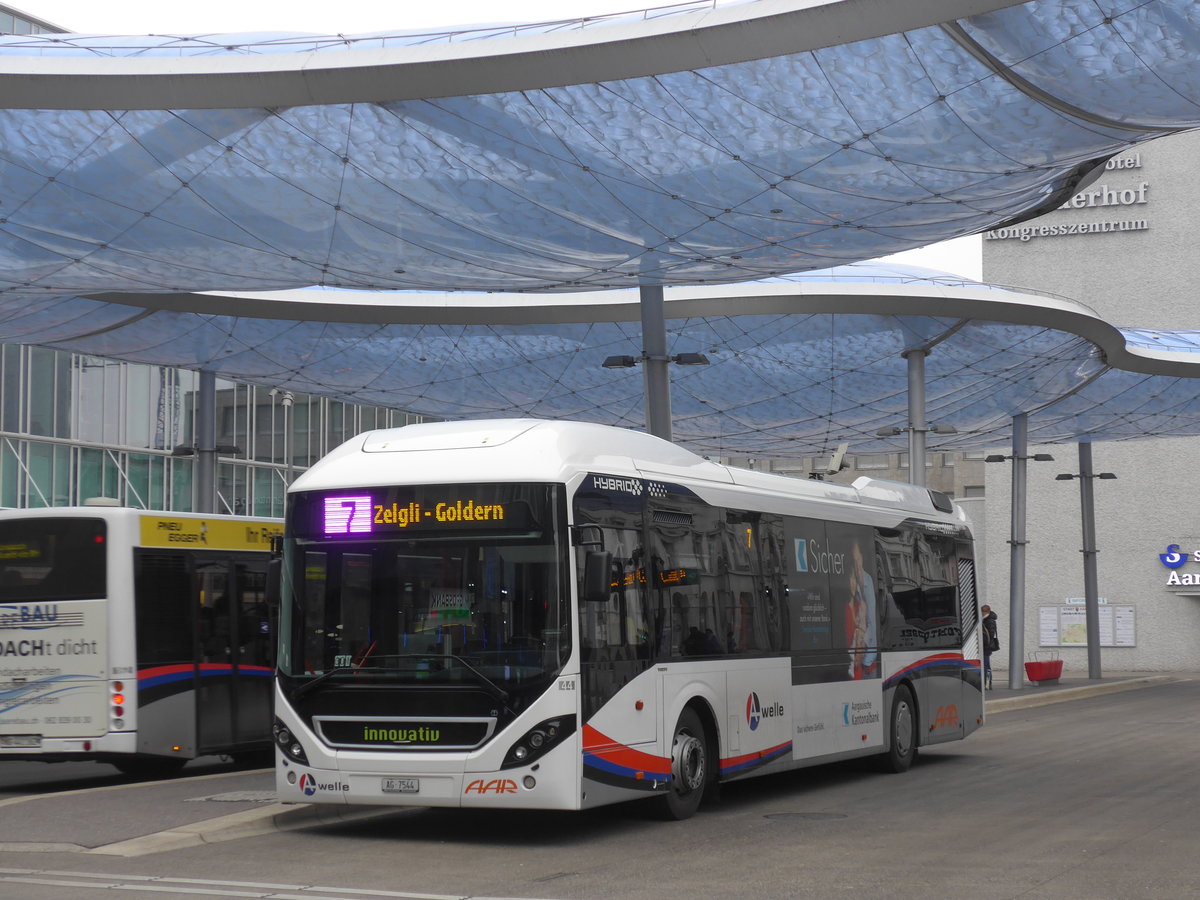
(236, 657)
(254, 660)
(215, 694)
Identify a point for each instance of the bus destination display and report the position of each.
(362, 513)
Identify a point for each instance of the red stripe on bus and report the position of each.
(600, 744)
(731, 761)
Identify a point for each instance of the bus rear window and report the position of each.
(52, 559)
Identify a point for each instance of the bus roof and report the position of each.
(167, 530)
(106, 511)
(536, 450)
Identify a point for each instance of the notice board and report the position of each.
(1066, 626)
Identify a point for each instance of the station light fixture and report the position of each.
(192, 449)
(620, 362)
(931, 429)
(1000, 457)
(680, 359)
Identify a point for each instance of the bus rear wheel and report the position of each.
(690, 764)
(902, 746)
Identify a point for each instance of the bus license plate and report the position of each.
(401, 785)
(20, 740)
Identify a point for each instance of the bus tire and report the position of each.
(902, 742)
(691, 759)
(253, 759)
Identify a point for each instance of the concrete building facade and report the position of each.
(1127, 247)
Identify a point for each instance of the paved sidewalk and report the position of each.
(1071, 686)
(148, 817)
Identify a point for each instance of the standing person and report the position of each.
(989, 636)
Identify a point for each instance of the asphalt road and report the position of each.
(1094, 798)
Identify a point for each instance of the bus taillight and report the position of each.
(117, 704)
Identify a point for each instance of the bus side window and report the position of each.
(689, 581)
(617, 628)
(920, 602)
(163, 607)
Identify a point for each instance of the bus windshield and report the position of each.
(445, 584)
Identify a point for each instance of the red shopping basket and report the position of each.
(1044, 668)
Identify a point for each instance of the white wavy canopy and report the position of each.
(702, 148)
(796, 366)
(713, 145)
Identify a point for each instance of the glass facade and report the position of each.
(13, 21)
(74, 427)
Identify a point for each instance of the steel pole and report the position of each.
(1016, 575)
(654, 362)
(205, 478)
(1091, 593)
(289, 469)
(916, 415)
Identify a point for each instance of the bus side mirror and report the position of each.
(589, 536)
(597, 576)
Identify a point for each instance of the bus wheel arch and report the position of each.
(904, 732)
(694, 761)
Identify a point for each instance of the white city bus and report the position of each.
(553, 615)
(136, 638)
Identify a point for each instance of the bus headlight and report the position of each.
(538, 741)
(287, 742)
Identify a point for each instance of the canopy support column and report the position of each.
(654, 362)
(916, 415)
(205, 474)
(1016, 579)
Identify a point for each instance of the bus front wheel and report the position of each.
(690, 762)
(902, 746)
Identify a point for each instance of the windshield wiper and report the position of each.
(490, 686)
(494, 689)
(303, 689)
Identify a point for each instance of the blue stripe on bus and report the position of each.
(150, 678)
(590, 760)
(950, 661)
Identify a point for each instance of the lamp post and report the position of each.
(658, 395)
(916, 446)
(1087, 515)
(1016, 580)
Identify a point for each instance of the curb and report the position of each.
(245, 824)
(1063, 695)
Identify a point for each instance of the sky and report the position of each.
(962, 256)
